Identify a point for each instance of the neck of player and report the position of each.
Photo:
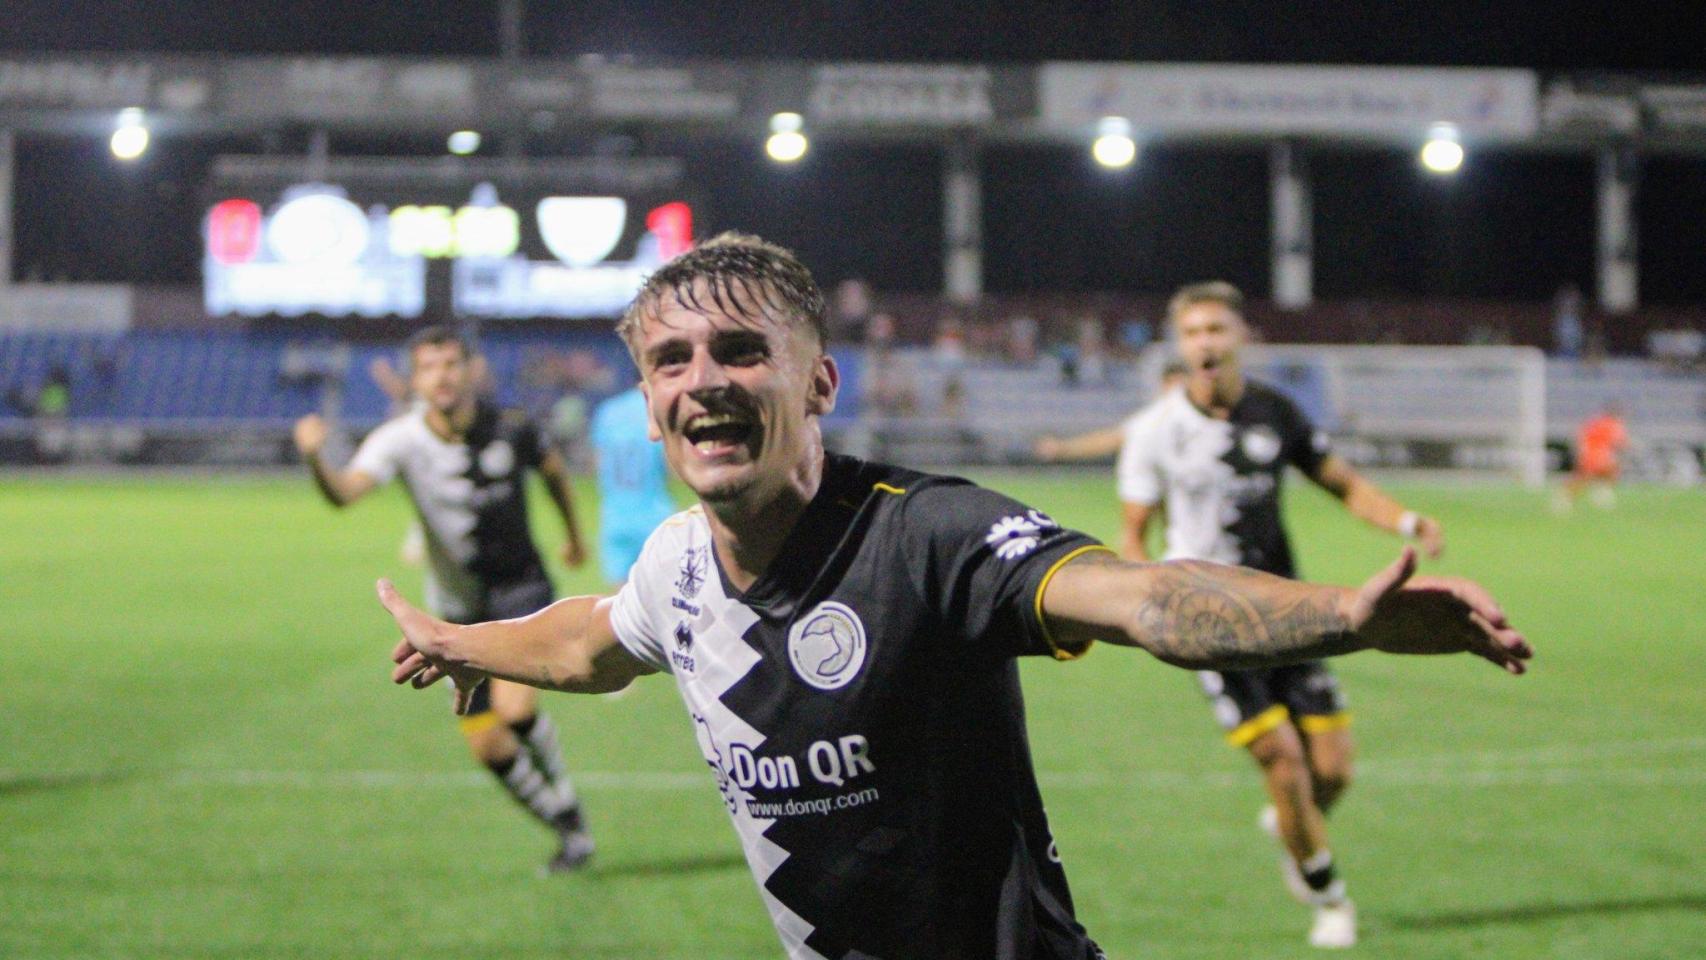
(453, 423)
(749, 529)
(1216, 392)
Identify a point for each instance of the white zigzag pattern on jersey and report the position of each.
(723, 660)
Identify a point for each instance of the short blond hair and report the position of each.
(1212, 291)
(741, 273)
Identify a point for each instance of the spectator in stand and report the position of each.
(853, 309)
(1092, 351)
(890, 392)
(1567, 331)
(1022, 339)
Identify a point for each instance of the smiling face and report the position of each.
(440, 373)
(734, 391)
(1210, 336)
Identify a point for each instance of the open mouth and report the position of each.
(719, 432)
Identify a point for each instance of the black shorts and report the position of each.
(1249, 703)
(504, 601)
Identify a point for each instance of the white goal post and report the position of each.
(1479, 409)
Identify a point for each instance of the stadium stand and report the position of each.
(203, 384)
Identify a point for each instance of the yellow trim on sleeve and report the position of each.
(1324, 722)
(1042, 622)
(897, 491)
(478, 722)
(1265, 722)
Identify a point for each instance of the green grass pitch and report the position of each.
(200, 755)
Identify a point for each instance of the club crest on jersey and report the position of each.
(827, 646)
(1014, 536)
(498, 459)
(691, 575)
(1260, 444)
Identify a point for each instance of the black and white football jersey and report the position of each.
(859, 708)
(471, 496)
(1220, 479)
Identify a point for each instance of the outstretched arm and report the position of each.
(569, 645)
(1368, 502)
(1204, 615)
(1085, 446)
(340, 487)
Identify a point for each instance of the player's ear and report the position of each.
(826, 382)
(652, 432)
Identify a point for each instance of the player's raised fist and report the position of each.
(310, 434)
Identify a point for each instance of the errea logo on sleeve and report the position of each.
(1013, 537)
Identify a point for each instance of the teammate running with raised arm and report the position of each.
(464, 462)
(1214, 455)
(844, 635)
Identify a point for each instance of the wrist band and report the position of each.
(1408, 523)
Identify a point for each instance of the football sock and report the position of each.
(538, 734)
(1318, 873)
(532, 790)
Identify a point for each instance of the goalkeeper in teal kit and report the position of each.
(633, 490)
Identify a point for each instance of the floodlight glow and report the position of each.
(130, 138)
(1113, 147)
(786, 144)
(786, 147)
(463, 142)
(1442, 153)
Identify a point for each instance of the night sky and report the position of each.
(1513, 225)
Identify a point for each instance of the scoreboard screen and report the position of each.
(491, 239)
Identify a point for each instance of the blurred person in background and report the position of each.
(463, 461)
(1600, 442)
(1213, 454)
(633, 482)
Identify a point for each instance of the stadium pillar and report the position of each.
(1293, 243)
(6, 152)
(510, 17)
(1619, 274)
(962, 223)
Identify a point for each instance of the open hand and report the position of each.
(1426, 615)
(309, 434)
(422, 656)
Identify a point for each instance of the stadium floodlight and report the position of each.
(1442, 153)
(463, 142)
(130, 139)
(1113, 147)
(787, 143)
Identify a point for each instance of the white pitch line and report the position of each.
(1546, 765)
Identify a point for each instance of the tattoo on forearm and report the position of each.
(1208, 615)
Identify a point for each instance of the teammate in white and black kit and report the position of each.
(843, 635)
(464, 462)
(1214, 454)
